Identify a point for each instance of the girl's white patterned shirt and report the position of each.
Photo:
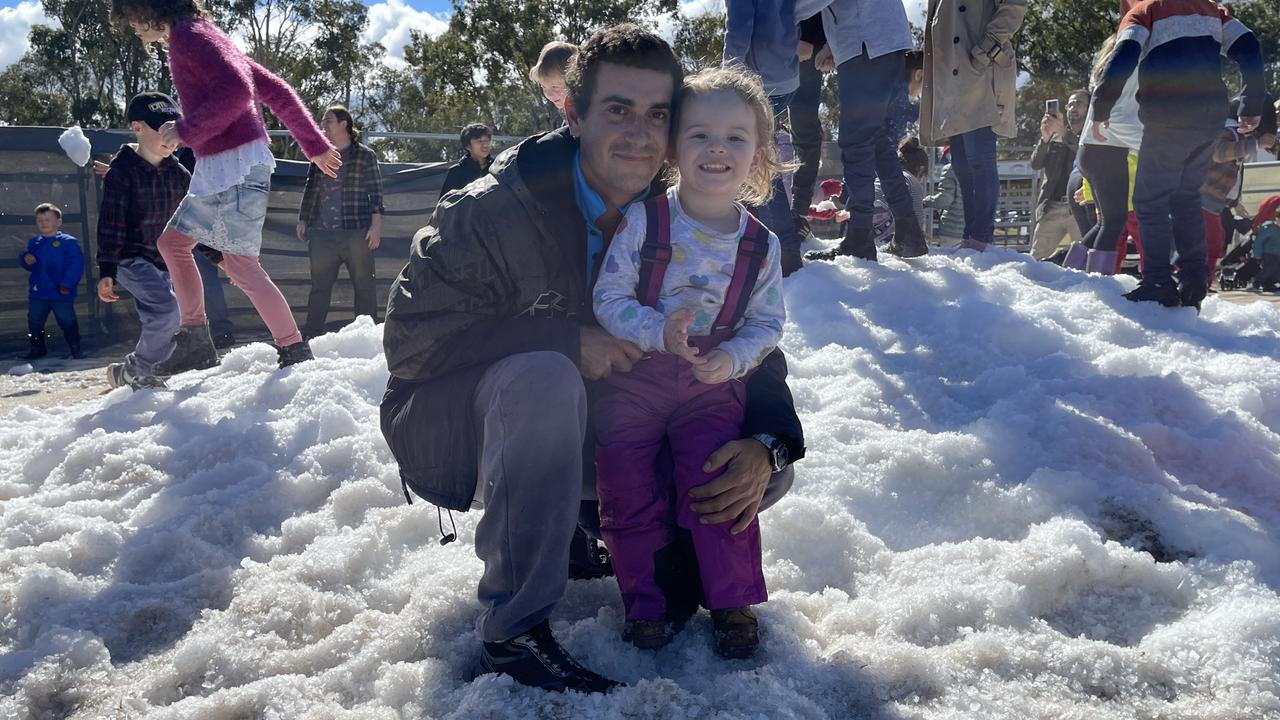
(702, 262)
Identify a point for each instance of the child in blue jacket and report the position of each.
(56, 265)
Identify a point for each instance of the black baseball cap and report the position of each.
(152, 108)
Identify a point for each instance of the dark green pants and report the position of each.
(329, 250)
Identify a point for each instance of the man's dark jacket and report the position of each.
(463, 173)
(1056, 158)
(500, 270)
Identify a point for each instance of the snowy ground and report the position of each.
(1025, 497)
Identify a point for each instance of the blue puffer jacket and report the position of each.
(59, 264)
(1266, 240)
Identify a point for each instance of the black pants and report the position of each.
(1107, 170)
(1085, 216)
(806, 132)
(330, 250)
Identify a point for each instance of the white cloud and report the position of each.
(391, 22)
(15, 23)
(916, 10)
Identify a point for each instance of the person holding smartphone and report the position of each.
(1054, 156)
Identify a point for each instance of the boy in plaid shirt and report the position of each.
(140, 192)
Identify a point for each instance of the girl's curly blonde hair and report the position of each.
(746, 85)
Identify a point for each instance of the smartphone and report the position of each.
(1051, 107)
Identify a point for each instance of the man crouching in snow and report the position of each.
(492, 348)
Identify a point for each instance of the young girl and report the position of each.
(220, 90)
(695, 280)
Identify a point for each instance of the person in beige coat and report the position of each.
(969, 74)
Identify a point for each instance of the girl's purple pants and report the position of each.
(641, 504)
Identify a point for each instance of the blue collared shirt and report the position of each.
(592, 207)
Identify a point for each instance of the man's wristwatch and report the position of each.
(778, 455)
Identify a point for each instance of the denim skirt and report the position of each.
(230, 221)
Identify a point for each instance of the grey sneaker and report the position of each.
(119, 376)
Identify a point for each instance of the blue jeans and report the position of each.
(1172, 165)
(64, 312)
(867, 85)
(973, 155)
(157, 313)
(215, 302)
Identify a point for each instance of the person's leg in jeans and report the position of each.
(1162, 161)
(806, 137)
(530, 483)
(866, 86)
(909, 238)
(325, 250)
(64, 313)
(964, 181)
(359, 263)
(1189, 222)
(157, 313)
(38, 316)
(246, 273)
(215, 300)
(979, 178)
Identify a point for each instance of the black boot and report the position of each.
(857, 243)
(193, 351)
(534, 658)
(1165, 293)
(294, 354)
(38, 348)
(792, 260)
(908, 238)
(1193, 287)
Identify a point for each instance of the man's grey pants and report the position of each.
(1054, 221)
(157, 312)
(532, 412)
(329, 250)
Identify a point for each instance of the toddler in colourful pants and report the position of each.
(695, 280)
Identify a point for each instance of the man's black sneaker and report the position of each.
(588, 559)
(1165, 293)
(534, 658)
(1191, 294)
(294, 354)
(222, 341)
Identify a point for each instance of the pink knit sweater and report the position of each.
(219, 88)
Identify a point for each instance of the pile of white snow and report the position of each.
(1024, 497)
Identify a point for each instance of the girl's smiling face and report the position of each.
(716, 146)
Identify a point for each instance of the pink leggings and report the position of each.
(245, 272)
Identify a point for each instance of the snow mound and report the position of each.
(1025, 497)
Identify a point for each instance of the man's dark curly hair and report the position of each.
(156, 12)
(626, 44)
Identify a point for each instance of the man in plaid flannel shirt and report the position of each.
(341, 222)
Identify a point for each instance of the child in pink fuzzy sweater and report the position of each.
(220, 89)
